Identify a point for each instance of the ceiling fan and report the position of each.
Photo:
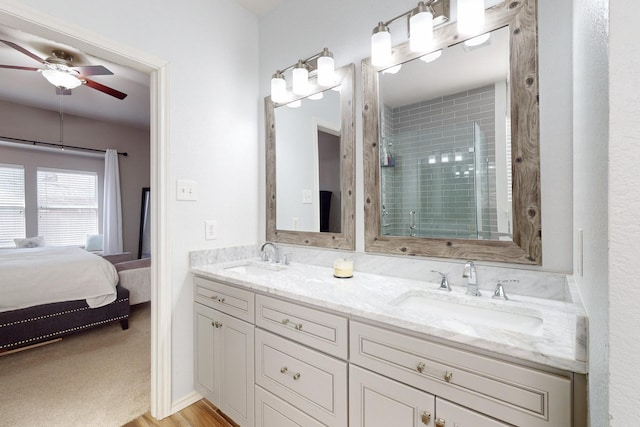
(58, 71)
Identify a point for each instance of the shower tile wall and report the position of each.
(431, 143)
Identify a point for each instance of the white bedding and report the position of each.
(43, 275)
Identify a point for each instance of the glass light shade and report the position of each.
(61, 79)
(392, 70)
(430, 57)
(478, 40)
(278, 89)
(295, 104)
(470, 16)
(421, 31)
(300, 84)
(326, 71)
(316, 96)
(380, 48)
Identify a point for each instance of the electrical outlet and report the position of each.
(306, 197)
(210, 230)
(186, 190)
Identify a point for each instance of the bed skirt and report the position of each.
(33, 325)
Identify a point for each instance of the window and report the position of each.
(11, 204)
(67, 206)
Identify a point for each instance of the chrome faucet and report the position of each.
(265, 255)
(471, 275)
(444, 282)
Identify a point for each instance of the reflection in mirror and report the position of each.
(451, 162)
(308, 165)
(445, 158)
(311, 166)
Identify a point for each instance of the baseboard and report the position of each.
(187, 400)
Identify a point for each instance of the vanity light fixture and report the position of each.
(478, 40)
(421, 21)
(316, 96)
(430, 57)
(322, 63)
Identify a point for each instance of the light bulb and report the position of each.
(380, 45)
(61, 79)
(421, 30)
(326, 69)
(278, 88)
(470, 16)
(300, 84)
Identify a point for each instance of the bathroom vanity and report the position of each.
(291, 345)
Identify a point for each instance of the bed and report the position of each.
(46, 293)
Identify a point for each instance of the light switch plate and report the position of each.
(210, 227)
(186, 190)
(306, 197)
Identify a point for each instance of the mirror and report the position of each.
(452, 158)
(310, 166)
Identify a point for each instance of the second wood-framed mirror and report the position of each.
(310, 166)
(433, 185)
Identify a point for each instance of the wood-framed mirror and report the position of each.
(310, 166)
(435, 189)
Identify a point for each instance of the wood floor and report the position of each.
(201, 414)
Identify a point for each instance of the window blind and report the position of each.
(12, 217)
(67, 206)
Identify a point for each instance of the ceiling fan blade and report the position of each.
(93, 70)
(23, 50)
(105, 89)
(63, 91)
(16, 67)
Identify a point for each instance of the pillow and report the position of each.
(29, 242)
(94, 243)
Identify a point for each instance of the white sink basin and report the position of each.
(255, 269)
(480, 313)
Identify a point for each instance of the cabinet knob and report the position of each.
(440, 422)
(420, 367)
(221, 300)
(298, 326)
(217, 324)
(447, 376)
(285, 321)
(426, 417)
(296, 376)
(283, 369)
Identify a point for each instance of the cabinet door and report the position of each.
(236, 369)
(376, 401)
(207, 369)
(451, 415)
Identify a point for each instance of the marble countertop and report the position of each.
(543, 331)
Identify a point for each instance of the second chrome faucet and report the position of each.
(471, 275)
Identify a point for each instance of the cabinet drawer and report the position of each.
(516, 394)
(323, 331)
(274, 412)
(228, 299)
(309, 380)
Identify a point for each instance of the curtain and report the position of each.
(112, 214)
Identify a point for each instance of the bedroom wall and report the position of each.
(212, 49)
(18, 121)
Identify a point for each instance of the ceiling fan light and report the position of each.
(380, 45)
(61, 79)
(420, 29)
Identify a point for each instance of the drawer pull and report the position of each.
(297, 326)
(217, 298)
(283, 369)
(296, 376)
(426, 417)
(217, 324)
(440, 422)
(447, 376)
(420, 367)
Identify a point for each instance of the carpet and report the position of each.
(99, 377)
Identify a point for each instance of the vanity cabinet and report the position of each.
(509, 392)
(224, 349)
(296, 365)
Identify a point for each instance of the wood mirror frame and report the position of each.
(346, 238)
(526, 247)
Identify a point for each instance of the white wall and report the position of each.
(212, 47)
(18, 121)
(624, 208)
(590, 128)
(299, 28)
